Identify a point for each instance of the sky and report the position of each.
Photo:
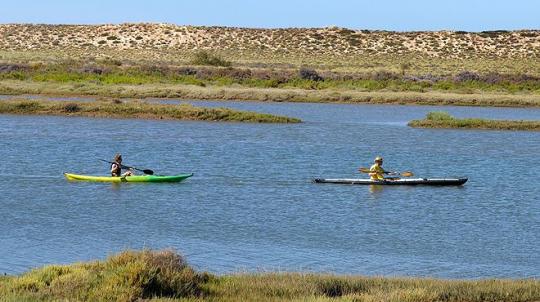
(398, 15)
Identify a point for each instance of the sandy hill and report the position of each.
(332, 41)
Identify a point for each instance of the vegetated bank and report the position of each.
(126, 80)
(137, 109)
(445, 120)
(492, 68)
(166, 276)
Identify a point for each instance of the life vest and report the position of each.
(376, 172)
(117, 171)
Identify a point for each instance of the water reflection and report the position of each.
(375, 189)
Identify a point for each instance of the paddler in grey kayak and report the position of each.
(376, 172)
(116, 167)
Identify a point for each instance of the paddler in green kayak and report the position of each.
(116, 167)
(376, 172)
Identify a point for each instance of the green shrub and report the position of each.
(128, 276)
(261, 83)
(14, 75)
(205, 58)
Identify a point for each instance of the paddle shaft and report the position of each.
(145, 171)
(406, 173)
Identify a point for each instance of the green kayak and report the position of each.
(135, 178)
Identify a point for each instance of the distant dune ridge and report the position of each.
(321, 41)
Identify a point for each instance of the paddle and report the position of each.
(404, 174)
(145, 171)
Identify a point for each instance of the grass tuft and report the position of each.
(128, 276)
(439, 116)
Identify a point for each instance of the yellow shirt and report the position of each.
(376, 172)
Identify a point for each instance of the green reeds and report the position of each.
(138, 109)
(441, 119)
(214, 76)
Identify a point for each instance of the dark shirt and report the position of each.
(117, 171)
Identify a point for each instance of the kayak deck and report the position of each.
(134, 178)
(390, 182)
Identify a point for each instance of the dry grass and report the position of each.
(311, 287)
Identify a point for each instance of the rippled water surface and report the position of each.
(251, 205)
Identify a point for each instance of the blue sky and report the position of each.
(401, 15)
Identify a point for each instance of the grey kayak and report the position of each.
(395, 182)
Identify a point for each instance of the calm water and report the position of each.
(251, 205)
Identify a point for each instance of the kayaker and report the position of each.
(376, 172)
(116, 167)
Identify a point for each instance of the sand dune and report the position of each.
(320, 41)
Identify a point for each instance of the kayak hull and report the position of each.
(396, 182)
(135, 178)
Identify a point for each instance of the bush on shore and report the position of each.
(206, 58)
(128, 276)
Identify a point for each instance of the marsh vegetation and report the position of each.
(166, 276)
(440, 119)
(137, 109)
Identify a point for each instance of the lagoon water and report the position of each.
(251, 205)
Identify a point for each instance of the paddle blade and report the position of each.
(149, 172)
(407, 174)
